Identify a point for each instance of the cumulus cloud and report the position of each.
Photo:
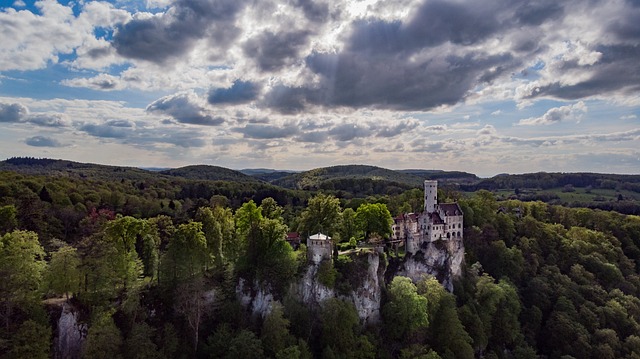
(166, 36)
(557, 114)
(105, 130)
(261, 131)
(13, 112)
(185, 108)
(24, 47)
(240, 92)
(102, 82)
(42, 141)
(272, 51)
(48, 120)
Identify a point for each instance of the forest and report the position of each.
(151, 264)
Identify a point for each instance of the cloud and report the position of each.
(185, 108)
(272, 51)
(240, 92)
(168, 36)
(48, 120)
(628, 117)
(105, 130)
(32, 40)
(42, 141)
(556, 115)
(315, 11)
(260, 131)
(101, 82)
(13, 112)
(397, 129)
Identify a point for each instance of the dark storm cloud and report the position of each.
(13, 112)
(394, 82)
(160, 38)
(240, 92)
(183, 109)
(537, 12)
(617, 70)
(272, 51)
(380, 67)
(316, 11)
(42, 141)
(289, 100)
(265, 132)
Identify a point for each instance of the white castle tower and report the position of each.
(430, 196)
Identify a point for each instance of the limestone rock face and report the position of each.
(310, 291)
(441, 259)
(258, 299)
(367, 297)
(70, 334)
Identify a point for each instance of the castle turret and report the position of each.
(430, 196)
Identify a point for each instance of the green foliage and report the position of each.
(374, 219)
(327, 274)
(32, 341)
(104, 339)
(139, 343)
(275, 333)
(405, 313)
(8, 218)
(322, 215)
(21, 268)
(245, 345)
(186, 255)
(340, 331)
(63, 273)
(447, 333)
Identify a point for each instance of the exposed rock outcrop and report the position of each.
(441, 259)
(368, 296)
(70, 334)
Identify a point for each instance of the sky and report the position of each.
(488, 87)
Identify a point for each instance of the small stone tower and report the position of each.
(430, 196)
(319, 247)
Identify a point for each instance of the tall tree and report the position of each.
(21, 267)
(190, 302)
(32, 340)
(349, 226)
(374, 218)
(321, 215)
(271, 209)
(104, 340)
(63, 275)
(406, 311)
(186, 256)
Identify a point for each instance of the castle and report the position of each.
(438, 221)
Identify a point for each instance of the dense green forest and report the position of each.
(152, 264)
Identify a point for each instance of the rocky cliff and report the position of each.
(441, 259)
(70, 334)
